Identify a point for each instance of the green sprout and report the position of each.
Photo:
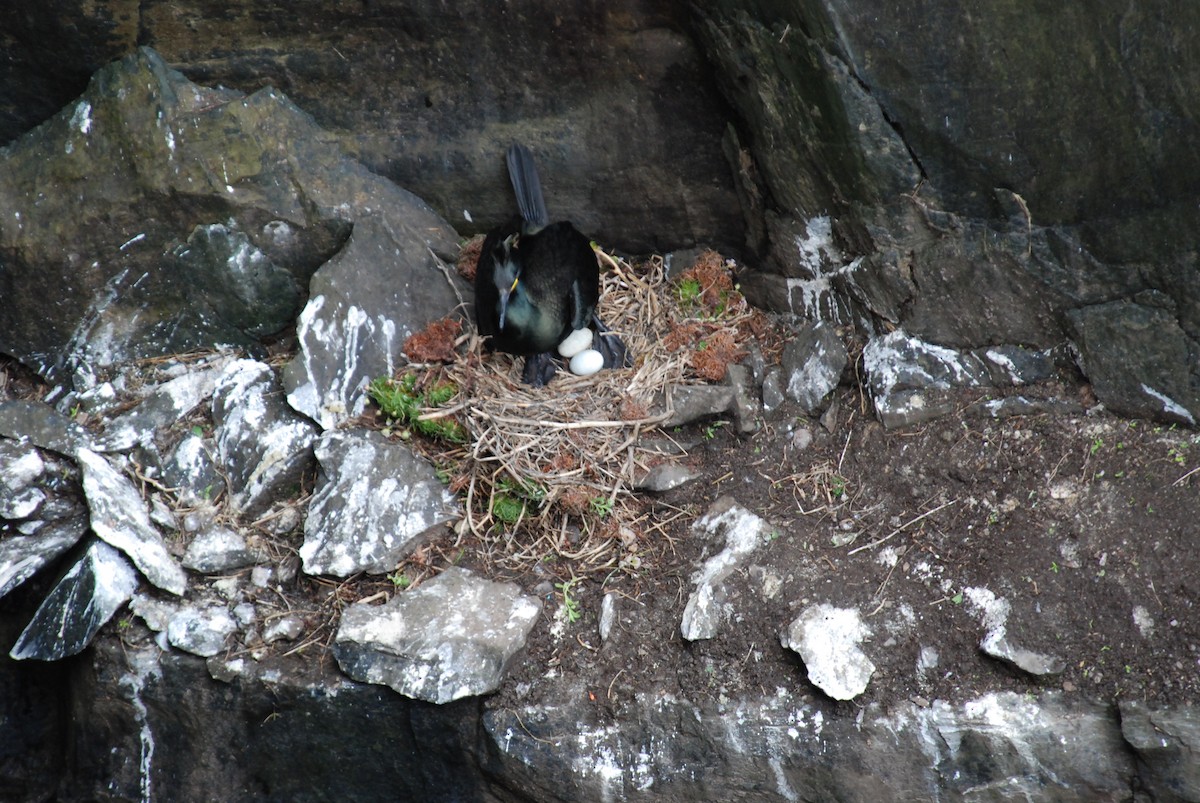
(401, 402)
(570, 603)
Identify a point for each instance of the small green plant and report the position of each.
(710, 430)
(1097, 445)
(507, 509)
(570, 603)
(401, 402)
(400, 580)
(1054, 566)
(957, 599)
(837, 486)
(688, 291)
(601, 505)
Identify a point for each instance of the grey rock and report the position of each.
(1014, 365)
(812, 364)
(285, 628)
(665, 477)
(119, 516)
(44, 426)
(608, 615)
(162, 407)
(908, 377)
(384, 286)
(217, 549)
(692, 403)
(745, 407)
(827, 638)
(451, 637)
(21, 467)
(190, 468)
(993, 612)
(21, 556)
(742, 532)
(772, 390)
(1009, 406)
(1167, 743)
(92, 590)
(201, 629)
(1138, 359)
(262, 446)
(374, 502)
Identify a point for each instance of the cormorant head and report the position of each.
(506, 272)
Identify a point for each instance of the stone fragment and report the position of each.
(21, 556)
(994, 612)
(201, 629)
(909, 379)
(217, 549)
(375, 501)
(827, 639)
(20, 469)
(744, 405)
(812, 364)
(692, 403)
(383, 287)
(1167, 744)
(1138, 360)
(44, 426)
(262, 445)
(772, 390)
(743, 533)
(608, 615)
(286, 628)
(161, 408)
(87, 596)
(665, 477)
(119, 516)
(449, 638)
(191, 470)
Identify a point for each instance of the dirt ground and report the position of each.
(1085, 525)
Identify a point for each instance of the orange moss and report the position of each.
(434, 343)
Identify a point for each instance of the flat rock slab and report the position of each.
(44, 426)
(827, 639)
(96, 587)
(376, 500)
(21, 556)
(449, 638)
(262, 444)
(119, 516)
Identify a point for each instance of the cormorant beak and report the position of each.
(504, 296)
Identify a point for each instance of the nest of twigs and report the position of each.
(551, 471)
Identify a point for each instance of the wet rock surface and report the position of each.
(989, 477)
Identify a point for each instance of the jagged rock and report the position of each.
(217, 549)
(374, 502)
(451, 637)
(262, 445)
(1167, 743)
(285, 628)
(994, 612)
(96, 587)
(162, 407)
(1138, 360)
(812, 364)
(827, 638)
(908, 377)
(191, 469)
(44, 426)
(21, 556)
(692, 403)
(201, 629)
(743, 533)
(271, 197)
(118, 515)
(744, 406)
(383, 287)
(20, 469)
(772, 390)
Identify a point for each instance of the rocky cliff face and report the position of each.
(985, 197)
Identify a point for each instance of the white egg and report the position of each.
(575, 342)
(587, 362)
